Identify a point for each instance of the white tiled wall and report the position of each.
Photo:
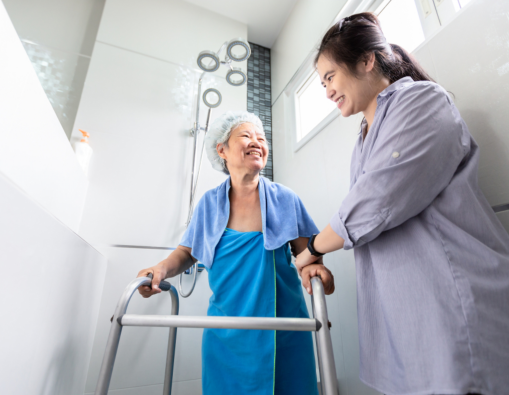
(469, 57)
(138, 105)
(49, 299)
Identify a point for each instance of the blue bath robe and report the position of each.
(249, 279)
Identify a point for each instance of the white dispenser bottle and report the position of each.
(83, 152)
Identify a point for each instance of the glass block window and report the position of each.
(258, 95)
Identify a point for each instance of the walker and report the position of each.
(318, 324)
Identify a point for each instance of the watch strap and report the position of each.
(311, 247)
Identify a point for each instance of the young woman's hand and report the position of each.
(305, 258)
(317, 270)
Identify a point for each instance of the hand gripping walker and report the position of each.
(318, 324)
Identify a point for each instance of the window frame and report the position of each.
(301, 139)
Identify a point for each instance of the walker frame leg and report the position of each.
(172, 340)
(114, 337)
(326, 364)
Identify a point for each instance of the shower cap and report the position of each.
(220, 131)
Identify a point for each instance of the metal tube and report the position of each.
(326, 363)
(170, 358)
(193, 193)
(195, 135)
(114, 336)
(264, 323)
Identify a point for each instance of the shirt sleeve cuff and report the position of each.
(339, 227)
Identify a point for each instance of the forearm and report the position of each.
(328, 240)
(177, 262)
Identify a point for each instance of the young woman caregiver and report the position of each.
(242, 231)
(432, 259)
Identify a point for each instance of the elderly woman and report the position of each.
(242, 231)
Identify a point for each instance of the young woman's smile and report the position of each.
(351, 93)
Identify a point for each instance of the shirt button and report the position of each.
(395, 154)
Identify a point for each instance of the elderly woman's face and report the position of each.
(247, 149)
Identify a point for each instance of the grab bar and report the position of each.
(317, 324)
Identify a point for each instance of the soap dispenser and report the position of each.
(83, 152)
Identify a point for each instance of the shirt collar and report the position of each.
(364, 125)
(399, 84)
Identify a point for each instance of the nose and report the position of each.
(330, 93)
(254, 142)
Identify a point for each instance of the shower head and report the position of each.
(208, 61)
(238, 49)
(236, 76)
(212, 98)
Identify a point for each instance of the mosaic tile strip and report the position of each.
(258, 94)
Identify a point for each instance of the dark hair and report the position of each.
(351, 39)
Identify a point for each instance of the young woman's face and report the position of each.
(352, 94)
(247, 149)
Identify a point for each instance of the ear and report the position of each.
(369, 62)
(220, 148)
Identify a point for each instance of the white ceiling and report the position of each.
(264, 18)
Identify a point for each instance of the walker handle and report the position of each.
(163, 285)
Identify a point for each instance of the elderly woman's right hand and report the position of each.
(159, 273)
(317, 270)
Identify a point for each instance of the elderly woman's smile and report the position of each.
(245, 150)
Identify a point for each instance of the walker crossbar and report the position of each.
(279, 324)
(318, 324)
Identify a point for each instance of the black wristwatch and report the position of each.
(311, 248)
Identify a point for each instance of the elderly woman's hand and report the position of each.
(179, 261)
(159, 273)
(317, 270)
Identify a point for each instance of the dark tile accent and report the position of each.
(258, 94)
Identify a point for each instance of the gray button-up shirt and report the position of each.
(432, 258)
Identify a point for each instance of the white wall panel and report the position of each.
(49, 302)
(172, 30)
(69, 26)
(34, 150)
